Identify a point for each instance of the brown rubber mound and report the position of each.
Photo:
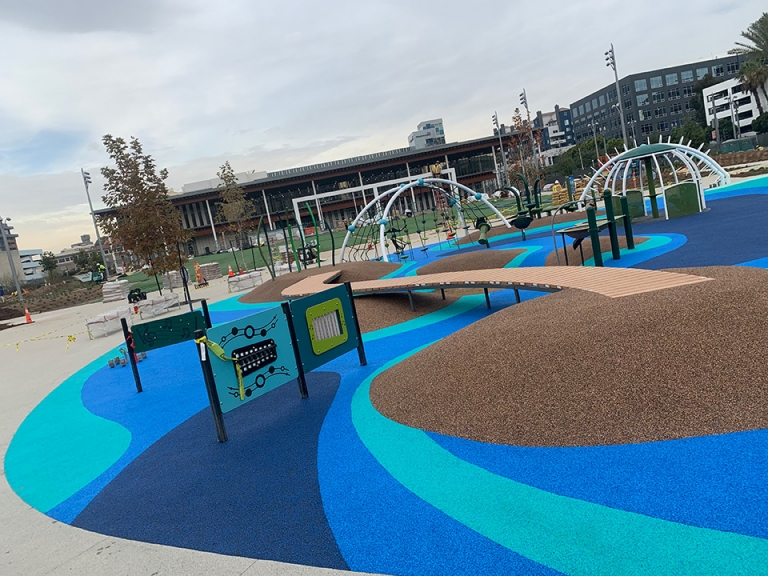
(374, 312)
(575, 369)
(574, 255)
(499, 229)
(476, 260)
(271, 290)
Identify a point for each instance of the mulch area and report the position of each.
(476, 260)
(500, 230)
(574, 255)
(575, 368)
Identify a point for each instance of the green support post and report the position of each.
(317, 234)
(293, 246)
(612, 233)
(594, 235)
(570, 189)
(651, 188)
(627, 223)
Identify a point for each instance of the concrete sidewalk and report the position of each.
(34, 544)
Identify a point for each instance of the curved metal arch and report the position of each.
(376, 198)
(595, 176)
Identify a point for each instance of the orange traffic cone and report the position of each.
(27, 316)
(240, 270)
(230, 274)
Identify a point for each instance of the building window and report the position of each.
(656, 82)
(674, 94)
(625, 89)
(686, 76)
(602, 100)
(687, 106)
(628, 104)
(581, 110)
(575, 112)
(663, 126)
(676, 123)
(687, 92)
(644, 114)
(660, 112)
(701, 72)
(612, 95)
(641, 85)
(671, 79)
(589, 107)
(676, 108)
(594, 103)
(642, 99)
(630, 117)
(567, 122)
(602, 114)
(646, 129)
(718, 71)
(733, 67)
(657, 97)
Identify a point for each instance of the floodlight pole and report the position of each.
(610, 58)
(10, 259)
(86, 180)
(501, 149)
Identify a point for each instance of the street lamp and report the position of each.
(86, 182)
(495, 118)
(10, 260)
(610, 60)
(594, 135)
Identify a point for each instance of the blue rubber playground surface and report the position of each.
(329, 481)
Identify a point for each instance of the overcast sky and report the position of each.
(269, 85)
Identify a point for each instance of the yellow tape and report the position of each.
(219, 352)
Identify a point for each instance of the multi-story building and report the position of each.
(65, 260)
(475, 163)
(428, 133)
(654, 101)
(31, 265)
(731, 100)
(557, 128)
(5, 266)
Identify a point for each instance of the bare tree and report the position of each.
(236, 209)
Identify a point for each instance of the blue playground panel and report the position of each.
(328, 481)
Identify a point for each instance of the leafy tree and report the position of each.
(235, 209)
(753, 76)
(697, 99)
(49, 264)
(690, 130)
(726, 129)
(760, 124)
(145, 221)
(757, 36)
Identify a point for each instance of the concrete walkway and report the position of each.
(34, 544)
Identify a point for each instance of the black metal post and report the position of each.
(442, 293)
(410, 299)
(517, 296)
(627, 223)
(237, 265)
(299, 364)
(360, 346)
(131, 355)
(287, 248)
(210, 386)
(157, 281)
(487, 298)
(333, 249)
(206, 314)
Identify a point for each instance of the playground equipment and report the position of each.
(363, 232)
(591, 229)
(246, 358)
(682, 198)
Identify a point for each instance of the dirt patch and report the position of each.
(574, 255)
(575, 368)
(475, 260)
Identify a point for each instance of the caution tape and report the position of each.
(70, 338)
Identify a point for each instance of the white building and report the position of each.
(730, 100)
(5, 266)
(32, 265)
(428, 133)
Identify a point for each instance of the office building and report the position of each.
(428, 133)
(654, 101)
(731, 100)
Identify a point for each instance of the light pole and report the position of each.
(524, 102)
(86, 182)
(501, 148)
(10, 260)
(594, 135)
(610, 60)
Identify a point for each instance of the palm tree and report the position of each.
(757, 34)
(753, 77)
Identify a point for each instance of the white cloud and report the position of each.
(270, 85)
